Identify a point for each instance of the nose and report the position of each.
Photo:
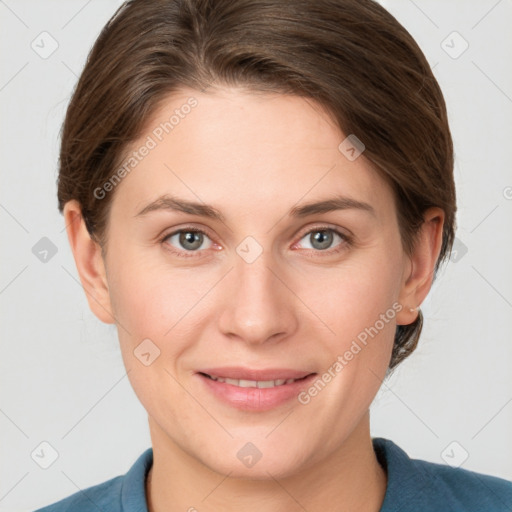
(259, 305)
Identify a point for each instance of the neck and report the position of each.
(350, 479)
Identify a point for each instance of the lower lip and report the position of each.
(255, 399)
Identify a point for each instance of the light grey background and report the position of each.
(63, 380)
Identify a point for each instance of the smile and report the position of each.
(242, 383)
(254, 390)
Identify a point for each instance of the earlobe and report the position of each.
(89, 263)
(419, 272)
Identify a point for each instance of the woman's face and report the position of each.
(271, 284)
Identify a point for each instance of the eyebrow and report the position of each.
(171, 203)
(167, 202)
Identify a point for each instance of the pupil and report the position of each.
(323, 239)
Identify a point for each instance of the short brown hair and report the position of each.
(351, 56)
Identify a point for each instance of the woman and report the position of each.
(258, 194)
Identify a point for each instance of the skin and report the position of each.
(254, 157)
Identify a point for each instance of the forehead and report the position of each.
(251, 150)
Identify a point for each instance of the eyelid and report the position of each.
(343, 232)
(174, 231)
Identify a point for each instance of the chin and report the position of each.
(255, 460)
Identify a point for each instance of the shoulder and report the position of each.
(124, 493)
(427, 486)
(104, 496)
(466, 490)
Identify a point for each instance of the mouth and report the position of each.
(261, 384)
(254, 390)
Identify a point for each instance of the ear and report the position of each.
(89, 262)
(419, 271)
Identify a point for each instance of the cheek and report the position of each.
(154, 306)
(153, 300)
(150, 294)
(354, 295)
(359, 303)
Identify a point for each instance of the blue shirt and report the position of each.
(413, 485)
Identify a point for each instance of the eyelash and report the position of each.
(346, 241)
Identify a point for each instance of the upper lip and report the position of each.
(239, 372)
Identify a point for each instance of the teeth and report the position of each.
(268, 383)
(243, 383)
(253, 383)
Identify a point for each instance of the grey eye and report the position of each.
(187, 239)
(321, 239)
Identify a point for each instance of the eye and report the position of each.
(322, 238)
(188, 240)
